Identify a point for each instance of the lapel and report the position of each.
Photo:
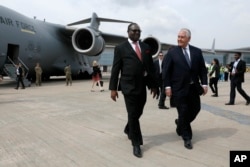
(239, 65)
(131, 49)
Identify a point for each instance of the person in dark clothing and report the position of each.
(19, 74)
(183, 70)
(133, 70)
(237, 70)
(214, 77)
(158, 74)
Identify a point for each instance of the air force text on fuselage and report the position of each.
(18, 24)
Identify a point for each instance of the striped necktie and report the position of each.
(187, 57)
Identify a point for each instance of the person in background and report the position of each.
(221, 77)
(134, 63)
(39, 72)
(183, 70)
(96, 76)
(226, 72)
(237, 70)
(67, 71)
(214, 75)
(20, 74)
(158, 74)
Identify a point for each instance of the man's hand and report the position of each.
(114, 95)
(205, 90)
(168, 92)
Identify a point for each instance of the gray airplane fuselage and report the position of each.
(33, 41)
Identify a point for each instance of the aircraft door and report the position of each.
(13, 53)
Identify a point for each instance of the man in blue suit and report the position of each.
(183, 70)
(134, 63)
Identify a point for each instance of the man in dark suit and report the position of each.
(19, 74)
(158, 74)
(136, 72)
(183, 70)
(237, 70)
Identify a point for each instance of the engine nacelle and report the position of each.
(154, 44)
(88, 41)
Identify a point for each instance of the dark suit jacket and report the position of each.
(177, 74)
(132, 69)
(158, 75)
(20, 69)
(240, 70)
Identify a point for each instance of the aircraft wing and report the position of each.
(111, 39)
(231, 51)
(167, 46)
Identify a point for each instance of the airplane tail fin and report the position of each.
(213, 46)
(95, 21)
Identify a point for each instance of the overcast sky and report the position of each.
(228, 21)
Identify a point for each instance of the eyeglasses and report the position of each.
(160, 55)
(136, 30)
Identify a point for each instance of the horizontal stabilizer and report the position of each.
(95, 21)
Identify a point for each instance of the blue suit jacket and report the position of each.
(177, 74)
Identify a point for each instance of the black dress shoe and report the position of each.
(163, 107)
(188, 144)
(215, 95)
(137, 151)
(229, 104)
(248, 102)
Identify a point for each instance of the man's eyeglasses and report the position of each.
(135, 30)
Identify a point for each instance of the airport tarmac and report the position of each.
(69, 126)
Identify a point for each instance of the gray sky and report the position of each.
(225, 20)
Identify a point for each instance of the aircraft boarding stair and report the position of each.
(10, 70)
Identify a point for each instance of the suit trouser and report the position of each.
(239, 89)
(135, 105)
(188, 108)
(214, 84)
(19, 79)
(162, 96)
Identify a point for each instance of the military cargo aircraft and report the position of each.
(30, 41)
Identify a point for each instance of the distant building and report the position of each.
(107, 57)
(226, 58)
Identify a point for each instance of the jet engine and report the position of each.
(88, 41)
(154, 44)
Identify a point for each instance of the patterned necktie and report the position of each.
(187, 57)
(137, 50)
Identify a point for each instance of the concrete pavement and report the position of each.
(69, 126)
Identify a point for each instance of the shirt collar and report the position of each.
(131, 42)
